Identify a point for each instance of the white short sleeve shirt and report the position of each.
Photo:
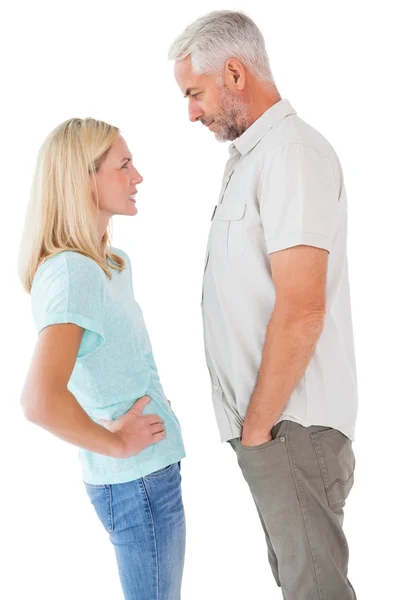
(282, 187)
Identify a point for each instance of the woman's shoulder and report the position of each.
(67, 259)
(66, 266)
(120, 253)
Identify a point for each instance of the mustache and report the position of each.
(206, 122)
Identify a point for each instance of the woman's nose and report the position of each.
(137, 178)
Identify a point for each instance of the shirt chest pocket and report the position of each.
(229, 225)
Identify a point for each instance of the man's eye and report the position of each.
(125, 166)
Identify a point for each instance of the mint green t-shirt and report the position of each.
(115, 364)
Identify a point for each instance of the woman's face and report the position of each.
(117, 181)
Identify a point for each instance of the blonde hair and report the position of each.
(61, 214)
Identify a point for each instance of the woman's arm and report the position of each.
(47, 402)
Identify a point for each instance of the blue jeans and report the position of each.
(146, 523)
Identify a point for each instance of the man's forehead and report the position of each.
(183, 67)
(190, 82)
(186, 79)
(183, 71)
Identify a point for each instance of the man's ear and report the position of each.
(235, 74)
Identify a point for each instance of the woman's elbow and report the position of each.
(30, 411)
(33, 406)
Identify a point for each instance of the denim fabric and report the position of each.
(145, 521)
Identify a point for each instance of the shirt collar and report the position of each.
(261, 126)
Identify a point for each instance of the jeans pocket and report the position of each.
(160, 472)
(337, 464)
(101, 498)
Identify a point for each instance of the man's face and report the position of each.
(212, 102)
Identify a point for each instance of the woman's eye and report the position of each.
(125, 166)
(195, 95)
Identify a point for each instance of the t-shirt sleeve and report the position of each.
(299, 199)
(70, 290)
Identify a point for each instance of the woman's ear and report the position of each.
(93, 186)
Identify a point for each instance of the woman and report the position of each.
(93, 381)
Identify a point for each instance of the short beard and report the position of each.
(233, 117)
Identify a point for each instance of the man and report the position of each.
(276, 306)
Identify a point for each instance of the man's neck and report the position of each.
(262, 97)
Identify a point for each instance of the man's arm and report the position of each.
(299, 275)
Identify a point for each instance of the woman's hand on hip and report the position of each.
(135, 430)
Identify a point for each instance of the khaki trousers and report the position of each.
(299, 482)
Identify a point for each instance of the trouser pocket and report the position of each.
(337, 464)
(101, 498)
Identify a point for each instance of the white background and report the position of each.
(338, 65)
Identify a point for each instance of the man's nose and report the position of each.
(195, 112)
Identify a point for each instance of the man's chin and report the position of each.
(225, 138)
(221, 136)
(225, 135)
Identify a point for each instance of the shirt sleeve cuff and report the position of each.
(297, 239)
(93, 337)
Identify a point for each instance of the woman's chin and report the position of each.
(131, 211)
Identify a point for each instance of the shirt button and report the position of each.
(215, 388)
(282, 439)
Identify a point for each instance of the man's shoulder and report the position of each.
(295, 132)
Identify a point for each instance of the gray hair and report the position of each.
(219, 35)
